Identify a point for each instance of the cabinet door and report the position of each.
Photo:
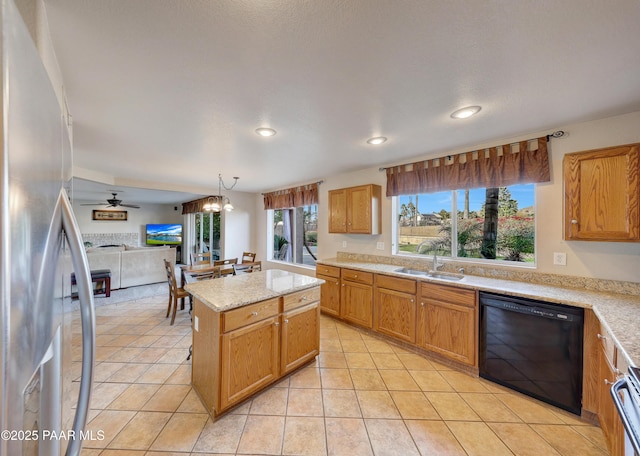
(249, 360)
(359, 209)
(356, 302)
(330, 295)
(448, 329)
(607, 414)
(395, 314)
(338, 211)
(601, 194)
(300, 337)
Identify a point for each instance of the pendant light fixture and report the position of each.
(218, 202)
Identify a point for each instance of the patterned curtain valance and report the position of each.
(292, 197)
(195, 206)
(501, 166)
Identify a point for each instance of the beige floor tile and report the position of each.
(305, 402)
(359, 361)
(566, 441)
(125, 354)
(104, 353)
(593, 434)
(400, 380)
(105, 393)
(414, 405)
(150, 355)
(332, 360)
(129, 373)
(309, 377)
(529, 410)
(336, 379)
(387, 361)
(489, 408)
(141, 431)
(144, 341)
(105, 370)
(390, 437)
(109, 452)
(341, 403)
(272, 401)
(329, 332)
(181, 376)
(377, 404)
(433, 438)
(157, 373)
(330, 345)
(522, 440)
(262, 435)
(464, 383)
(102, 340)
(430, 380)
(412, 361)
(304, 436)
(120, 341)
(348, 332)
(367, 379)
(167, 399)
(107, 423)
(192, 404)
(221, 436)
(377, 346)
(450, 406)
(164, 341)
(181, 432)
(134, 397)
(174, 356)
(347, 437)
(354, 346)
(478, 439)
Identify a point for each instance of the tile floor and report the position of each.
(362, 396)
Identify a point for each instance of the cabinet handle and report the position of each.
(412, 300)
(255, 314)
(601, 337)
(337, 283)
(422, 304)
(286, 321)
(277, 324)
(304, 298)
(355, 276)
(607, 382)
(574, 221)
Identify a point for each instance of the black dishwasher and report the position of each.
(533, 347)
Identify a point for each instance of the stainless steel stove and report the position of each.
(626, 396)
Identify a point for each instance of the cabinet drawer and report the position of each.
(394, 283)
(330, 271)
(357, 276)
(299, 298)
(242, 316)
(455, 295)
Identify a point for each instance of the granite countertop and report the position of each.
(235, 291)
(620, 313)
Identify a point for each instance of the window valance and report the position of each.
(292, 197)
(518, 163)
(195, 206)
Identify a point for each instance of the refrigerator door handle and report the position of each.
(87, 317)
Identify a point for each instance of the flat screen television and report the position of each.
(164, 234)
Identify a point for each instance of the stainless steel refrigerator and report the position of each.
(43, 409)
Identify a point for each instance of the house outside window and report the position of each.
(492, 224)
(295, 234)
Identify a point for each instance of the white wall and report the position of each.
(238, 226)
(137, 218)
(606, 260)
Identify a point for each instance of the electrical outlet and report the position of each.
(380, 246)
(344, 244)
(195, 323)
(560, 258)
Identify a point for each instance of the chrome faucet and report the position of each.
(436, 266)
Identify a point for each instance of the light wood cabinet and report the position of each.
(602, 194)
(356, 297)
(356, 210)
(447, 322)
(238, 352)
(607, 413)
(330, 290)
(395, 307)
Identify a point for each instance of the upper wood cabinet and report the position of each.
(355, 210)
(602, 194)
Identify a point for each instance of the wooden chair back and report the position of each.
(175, 292)
(201, 258)
(226, 265)
(245, 268)
(248, 257)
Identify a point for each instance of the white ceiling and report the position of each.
(170, 92)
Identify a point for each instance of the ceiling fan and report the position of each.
(113, 202)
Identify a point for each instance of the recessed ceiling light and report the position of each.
(463, 113)
(377, 140)
(266, 132)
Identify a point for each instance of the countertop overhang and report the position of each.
(620, 313)
(235, 291)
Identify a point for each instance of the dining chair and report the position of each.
(226, 265)
(175, 292)
(201, 258)
(248, 257)
(246, 268)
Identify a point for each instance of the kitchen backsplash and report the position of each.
(584, 283)
(98, 239)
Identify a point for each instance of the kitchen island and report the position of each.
(249, 331)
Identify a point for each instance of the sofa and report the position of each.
(132, 266)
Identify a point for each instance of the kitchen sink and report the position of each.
(432, 274)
